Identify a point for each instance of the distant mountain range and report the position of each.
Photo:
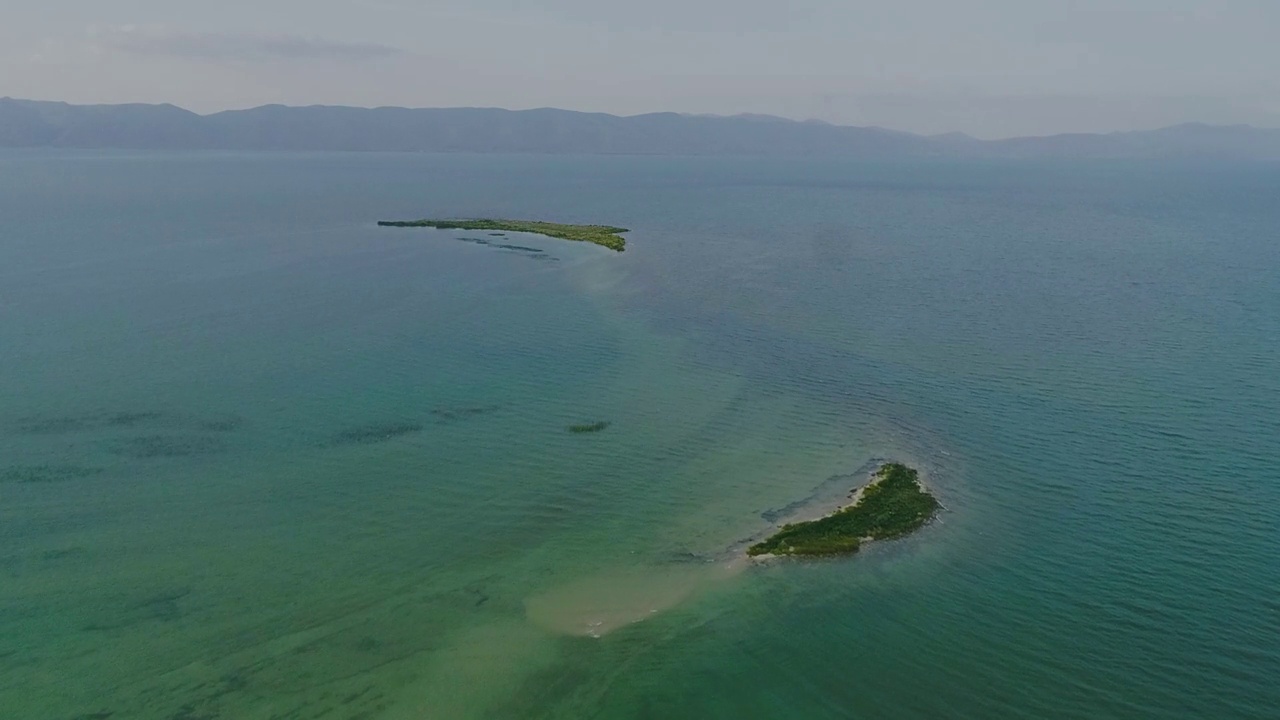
(28, 123)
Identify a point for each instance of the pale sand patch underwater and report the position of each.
(475, 672)
(599, 604)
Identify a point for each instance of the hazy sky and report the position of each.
(988, 67)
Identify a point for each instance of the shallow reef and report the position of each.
(168, 446)
(129, 419)
(121, 420)
(46, 473)
(457, 413)
(51, 425)
(502, 246)
(221, 425)
(375, 433)
(161, 606)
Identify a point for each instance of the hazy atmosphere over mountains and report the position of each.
(26, 123)
(991, 68)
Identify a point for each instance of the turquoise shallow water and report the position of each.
(261, 459)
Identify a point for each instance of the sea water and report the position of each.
(260, 458)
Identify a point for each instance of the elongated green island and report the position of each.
(893, 504)
(606, 235)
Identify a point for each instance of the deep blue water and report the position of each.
(262, 459)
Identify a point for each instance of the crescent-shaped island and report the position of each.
(893, 504)
(603, 235)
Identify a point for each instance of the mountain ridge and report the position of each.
(275, 127)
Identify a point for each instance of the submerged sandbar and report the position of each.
(893, 504)
(603, 235)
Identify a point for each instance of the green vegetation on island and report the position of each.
(605, 235)
(594, 427)
(893, 504)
